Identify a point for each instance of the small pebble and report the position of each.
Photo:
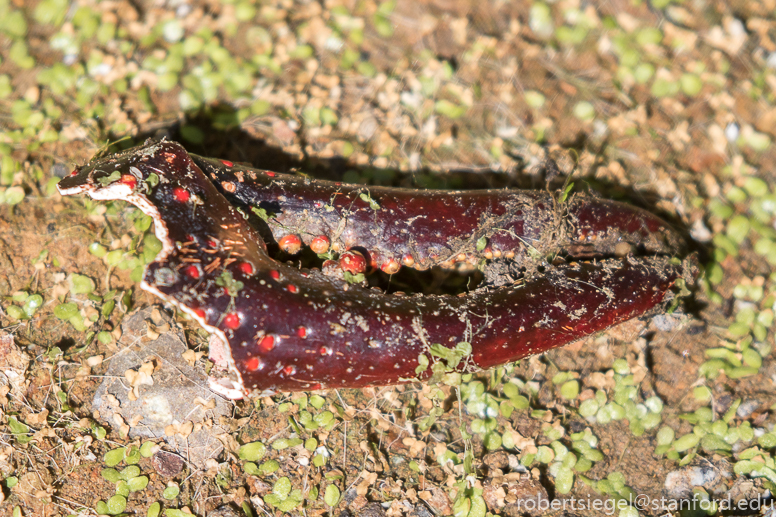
(167, 464)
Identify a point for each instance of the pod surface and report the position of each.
(277, 327)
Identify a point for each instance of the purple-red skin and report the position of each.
(279, 328)
(441, 228)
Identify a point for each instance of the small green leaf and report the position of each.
(584, 111)
(80, 284)
(106, 180)
(65, 311)
(566, 192)
(147, 449)
(351, 278)
(268, 467)
(117, 504)
(478, 507)
(137, 483)
(111, 475)
(686, 442)
(114, 457)
(130, 472)
(32, 304)
(132, 455)
(122, 488)
(422, 364)
(253, 451)
(13, 195)
(15, 312)
(448, 109)
(17, 427)
(332, 495)
(262, 213)
(365, 197)
(282, 487)
(570, 390)
(285, 443)
(171, 492)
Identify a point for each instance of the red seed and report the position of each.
(192, 271)
(274, 274)
(301, 332)
(291, 288)
(246, 268)
(320, 244)
(270, 174)
(316, 386)
(75, 172)
(129, 180)
(200, 313)
(324, 350)
(212, 244)
(252, 364)
(267, 343)
(291, 244)
(181, 194)
(232, 320)
(390, 266)
(353, 262)
(227, 163)
(289, 370)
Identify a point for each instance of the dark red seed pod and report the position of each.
(353, 262)
(355, 337)
(434, 227)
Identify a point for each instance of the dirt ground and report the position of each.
(668, 105)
